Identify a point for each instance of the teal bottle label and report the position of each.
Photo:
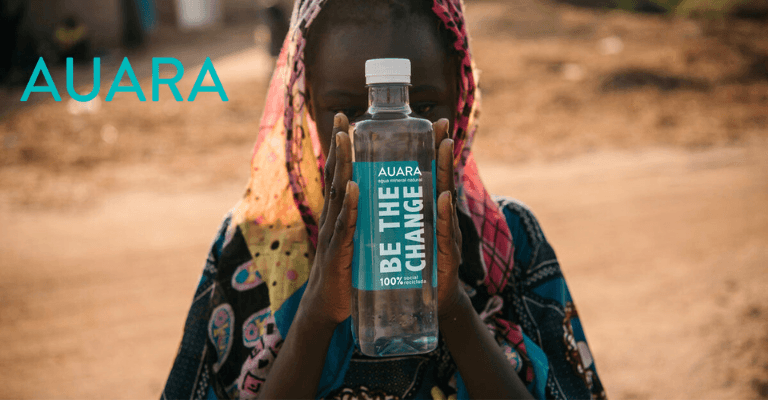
(394, 219)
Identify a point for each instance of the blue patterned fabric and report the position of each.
(540, 303)
(189, 377)
(544, 309)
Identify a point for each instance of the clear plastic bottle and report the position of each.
(394, 268)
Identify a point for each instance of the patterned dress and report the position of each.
(538, 299)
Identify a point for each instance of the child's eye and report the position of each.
(423, 108)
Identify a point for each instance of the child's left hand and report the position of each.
(329, 289)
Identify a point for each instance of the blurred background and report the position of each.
(636, 130)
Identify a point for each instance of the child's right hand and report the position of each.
(328, 294)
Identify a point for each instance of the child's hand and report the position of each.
(449, 291)
(329, 289)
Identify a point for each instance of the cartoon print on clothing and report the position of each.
(259, 362)
(220, 332)
(512, 356)
(256, 325)
(246, 277)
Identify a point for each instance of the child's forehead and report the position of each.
(339, 54)
(373, 24)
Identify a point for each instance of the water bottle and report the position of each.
(394, 267)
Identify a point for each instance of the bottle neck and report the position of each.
(388, 98)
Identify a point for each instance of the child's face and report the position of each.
(336, 78)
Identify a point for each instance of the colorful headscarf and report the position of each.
(279, 212)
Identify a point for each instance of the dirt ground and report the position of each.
(640, 142)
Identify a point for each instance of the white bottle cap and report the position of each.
(388, 70)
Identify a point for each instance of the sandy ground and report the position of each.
(647, 167)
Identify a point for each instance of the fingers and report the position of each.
(346, 223)
(457, 236)
(338, 188)
(440, 127)
(445, 182)
(446, 231)
(445, 168)
(340, 124)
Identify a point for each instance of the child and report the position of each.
(508, 327)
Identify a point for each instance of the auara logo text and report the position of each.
(399, 171)
(127, 70)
